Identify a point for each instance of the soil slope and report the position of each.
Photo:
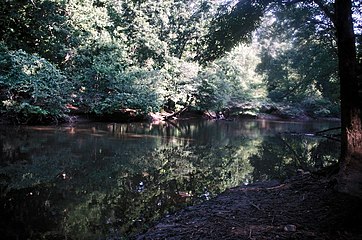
(305, 207)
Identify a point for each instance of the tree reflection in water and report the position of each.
(100, 180)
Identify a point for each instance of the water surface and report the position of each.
(109, 181)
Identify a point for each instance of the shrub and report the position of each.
(319, 107)
(32, 89)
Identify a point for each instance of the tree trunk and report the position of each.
(350, 175)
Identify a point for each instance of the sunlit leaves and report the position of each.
(299, 59)
(141, 54)
(231, 80)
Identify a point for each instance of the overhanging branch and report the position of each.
(328, 12)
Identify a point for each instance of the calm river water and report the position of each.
(109, 181)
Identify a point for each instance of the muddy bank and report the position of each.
(305, 207)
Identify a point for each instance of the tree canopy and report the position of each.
(340, 16)
(142, 55)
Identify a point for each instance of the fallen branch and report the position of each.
(327, 130)
(319, 133)
(168, 117)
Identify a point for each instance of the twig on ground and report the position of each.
(254, 205)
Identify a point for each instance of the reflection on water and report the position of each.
(104, 181)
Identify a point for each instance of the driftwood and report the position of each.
(320, 133)
(327, 130)
(170, 116)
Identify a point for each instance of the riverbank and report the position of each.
(305, 207)
(266, 112)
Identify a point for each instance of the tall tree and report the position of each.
(340, 13)
(351, 151)
(299, 59)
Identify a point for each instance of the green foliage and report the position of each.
(133, 89)
(299, 59)
(141, 54)
(105, 86)
(134, 54)
(32, 89)
(231, 25)
(178, 81)
(36, 27)
(320, 107)
(231, 80)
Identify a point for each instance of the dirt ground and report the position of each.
(305, 207)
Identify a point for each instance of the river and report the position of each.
(111, 180)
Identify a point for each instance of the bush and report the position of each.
(32, 90)
(319, 107)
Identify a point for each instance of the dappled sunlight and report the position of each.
(141, 68)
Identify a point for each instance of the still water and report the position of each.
(110, 181)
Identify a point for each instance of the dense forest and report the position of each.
(136, 60)
(107, 57)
